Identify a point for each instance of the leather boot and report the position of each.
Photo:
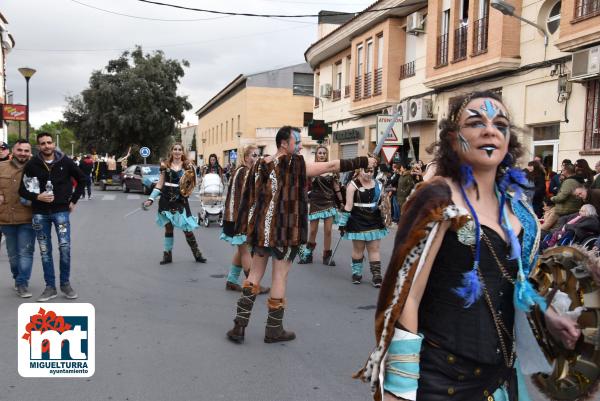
(306, 254)
(376, 273)
(191, 240)
(274, 331)
(244, 309)
(167, 257)
(327, 258)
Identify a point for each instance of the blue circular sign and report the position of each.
(232, 155)
(144, 152)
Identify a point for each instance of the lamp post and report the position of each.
(27, 74)
(72, 148)
(509, 10)
(203, 147)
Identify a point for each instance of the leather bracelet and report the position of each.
(354, 164)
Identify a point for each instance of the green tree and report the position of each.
(62, 135)
(133, 101)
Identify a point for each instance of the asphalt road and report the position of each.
(160, 331)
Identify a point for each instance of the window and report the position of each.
(303, 84)
(369, 60)
(227, 129)
(442, 39)
(359, 60)
(238, 123)
(553, 21)
(337, 75)
(380, 51)
(307, 118)
(592, 116)
(347, 77)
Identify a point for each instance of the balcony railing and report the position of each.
(407, 70)
(336, 94)
(357, 88)
(378, 83)
(460, 43)
(480, 36)
(442, 50)
(316, 102)
(368, 84)
(586, 8)
(346, 90)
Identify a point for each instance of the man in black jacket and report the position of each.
(47, 184)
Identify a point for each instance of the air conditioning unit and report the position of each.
(586, 64)
(414, 23)
(326, 90)
(419, 110)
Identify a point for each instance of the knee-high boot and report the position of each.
(168, 252)
(306, 253)
(191, 240)
(274, 331)
(357, 266)
(244, 309)
(376, 273)
(327, 258)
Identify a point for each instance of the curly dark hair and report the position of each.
(446, 159)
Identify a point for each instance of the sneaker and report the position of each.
(90, 197)
(23, 292)
(15, 287)
(48, 294)
(356, 279)
(376, 281)
(68, 291)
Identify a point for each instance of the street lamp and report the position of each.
(27, 74)
(203, 149)
(509, 10)
(72, 151)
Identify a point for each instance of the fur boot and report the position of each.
(244, 309)
(274, 331)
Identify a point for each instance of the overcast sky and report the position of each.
(65, 41)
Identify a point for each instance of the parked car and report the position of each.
(141, 177)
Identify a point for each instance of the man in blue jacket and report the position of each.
(47, 184)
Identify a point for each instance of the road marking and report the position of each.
(109, 197)
(133, 197)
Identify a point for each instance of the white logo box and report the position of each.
(42, 354)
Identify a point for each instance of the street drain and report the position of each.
(366, 307)
(217, 275)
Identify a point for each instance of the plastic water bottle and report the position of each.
(49, 187)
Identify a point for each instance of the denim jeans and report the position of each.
(20, 243)
(42, 224)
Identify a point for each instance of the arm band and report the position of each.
(154, 194)
(354, 164)
(343, 217)
(402, 365)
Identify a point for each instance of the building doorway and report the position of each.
(545, 145)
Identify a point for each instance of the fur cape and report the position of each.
(234, 193)
(273, 209)
(428, 206)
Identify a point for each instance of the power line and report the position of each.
(274, 15)
(148, 18)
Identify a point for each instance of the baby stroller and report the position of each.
(212, 202)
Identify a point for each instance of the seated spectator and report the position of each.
(565, 201)
(578, 226)
(591, 196)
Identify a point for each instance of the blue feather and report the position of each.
(466, 173)
(471, 287)
(525, 296)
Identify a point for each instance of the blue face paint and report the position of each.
(490, 109)
(298, 139)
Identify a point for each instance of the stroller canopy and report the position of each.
(211, 185)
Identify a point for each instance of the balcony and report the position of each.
(316, 102)
(368, 84)
(407, 70)
(460, 43)
(586, 9)
(480, 36)
(357, 88)
(336, 95)
(347, 91)
(441, 58)
(378, 84)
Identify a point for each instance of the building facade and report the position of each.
(419, 58)
(7, 43)
(250, 109)
(187, 133)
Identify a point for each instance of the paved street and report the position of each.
(160, 331)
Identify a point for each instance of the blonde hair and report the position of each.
(588, 210)
(185, 163)
(246, 149)
(322, 147)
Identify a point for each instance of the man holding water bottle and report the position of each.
(47, 184)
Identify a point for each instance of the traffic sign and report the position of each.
(389, 151)
(232, 155)
(145, 152)
(395, 135)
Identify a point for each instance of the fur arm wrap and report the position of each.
(354, 164)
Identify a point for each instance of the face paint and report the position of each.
(298, 139)
(490, 109)
(464, 144)
(489, 150)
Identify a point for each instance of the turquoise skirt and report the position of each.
(366, 235)
(178, 220)
(239, 239)
(323, 214)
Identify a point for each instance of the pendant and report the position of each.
(466, 233)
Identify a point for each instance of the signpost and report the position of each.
(232, 156)
(14, 112)
(390, 128)
(145, 152)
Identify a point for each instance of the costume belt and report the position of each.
(373, 204)
(168, 184)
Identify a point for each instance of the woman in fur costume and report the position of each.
(324, 198)
(242, 260)
(177, 179)
(361, 221)
(450, 320)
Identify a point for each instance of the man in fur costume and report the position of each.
(274, 215)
